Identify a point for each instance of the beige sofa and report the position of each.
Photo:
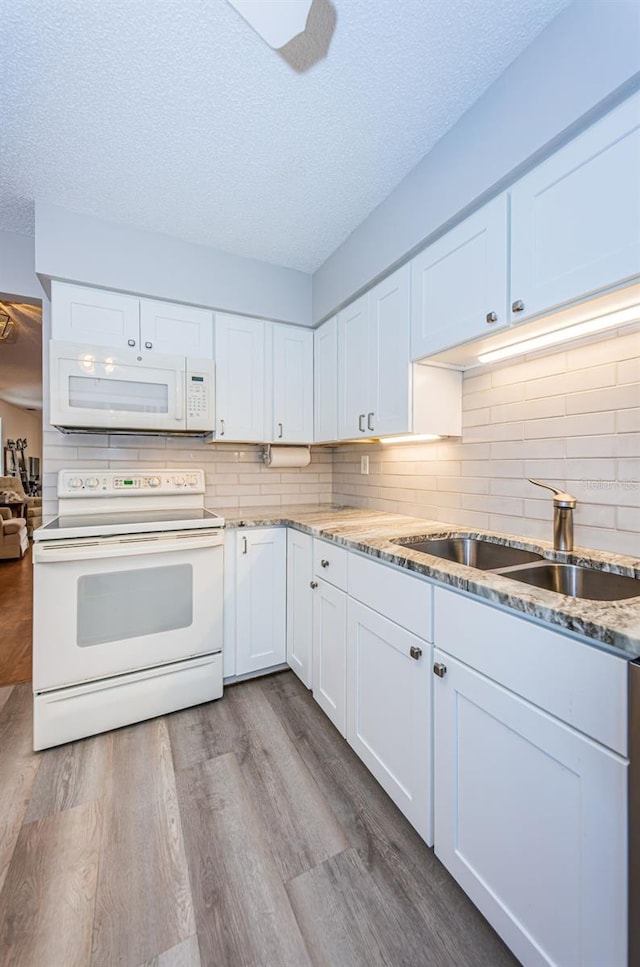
(14, 539)
(34, 504)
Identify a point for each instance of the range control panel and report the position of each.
(114, 483)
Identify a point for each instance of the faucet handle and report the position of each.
(560, 498)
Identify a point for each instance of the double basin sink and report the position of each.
(528, 567)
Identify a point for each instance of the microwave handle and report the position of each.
(180, 381)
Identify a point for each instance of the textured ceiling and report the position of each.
(173, 115)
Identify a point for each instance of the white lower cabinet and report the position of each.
(389, 710)
(300, 604)
(330, 652)
(260, 598)
(530, 815)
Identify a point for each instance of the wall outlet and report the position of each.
(364, 464)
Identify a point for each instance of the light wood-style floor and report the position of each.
(239, 833)
(16, 583)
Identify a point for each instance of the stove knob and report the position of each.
(75, 483)
(92, 483)
(179, 481)
(154, 481)
(192, 481)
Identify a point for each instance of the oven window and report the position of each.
(121, 395)
(130, 604)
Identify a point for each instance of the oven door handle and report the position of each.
(59, 552)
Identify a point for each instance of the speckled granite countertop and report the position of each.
(612, 624)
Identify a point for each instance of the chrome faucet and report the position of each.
(563, 505)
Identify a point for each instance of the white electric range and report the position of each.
(128, 586)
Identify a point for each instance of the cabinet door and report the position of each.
(460, 281)
(240, 365)
(176, 330)
(260, 598)
(329, 652)
(292, 385)
(389, 409)
(575, 219)
(326, 381)
(389, 710)
(299, 604)
(353, 369)
(81, 314)
(530, 820)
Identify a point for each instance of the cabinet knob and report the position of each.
(370, 421)
(148, 345)
(324, 563)
(491, 318)
(439, 669)
(360, 422)
(313, 585)
(131, 342)
(415, 652)
(517, 306)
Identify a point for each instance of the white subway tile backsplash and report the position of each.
(571, 418)
(558, 418)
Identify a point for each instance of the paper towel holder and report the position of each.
(266, 451)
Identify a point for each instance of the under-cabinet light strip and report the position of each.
(608, 321)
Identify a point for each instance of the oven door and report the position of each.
(113, 605)
(93, 387)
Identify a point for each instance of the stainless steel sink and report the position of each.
(577, 582)
(474, 552)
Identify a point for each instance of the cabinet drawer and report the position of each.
(402, 598)
(330, 563)
(573, 681)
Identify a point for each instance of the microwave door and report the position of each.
(90, 390)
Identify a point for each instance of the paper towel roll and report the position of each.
(286, 457)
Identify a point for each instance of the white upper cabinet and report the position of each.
(353, 369)
(389, 363)
(325, 353)
(576, 217)
(292, 385)
(175, 329)
(380, 392)
(459, 284)
(83, 314)
(240, 369)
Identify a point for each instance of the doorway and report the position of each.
(20, 476)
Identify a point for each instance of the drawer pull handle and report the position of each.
(244, 545)
(439, 669)
(415, 652)
(360, 422)
(370, 421)
(324, 563)
(313, 585)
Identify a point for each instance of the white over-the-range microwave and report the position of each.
(98, 388)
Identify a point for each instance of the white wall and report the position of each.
(586, 60)
(90, 250)
(571, 418)
(18, 280)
